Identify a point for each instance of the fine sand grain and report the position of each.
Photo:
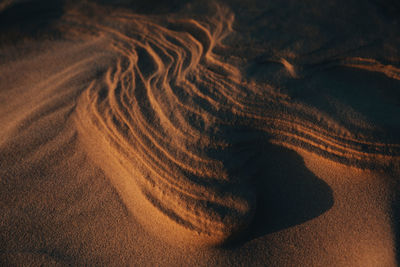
(199, 133)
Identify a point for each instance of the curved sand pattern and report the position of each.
(167, 120)
(165, 131)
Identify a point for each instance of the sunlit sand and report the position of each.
(131, 136)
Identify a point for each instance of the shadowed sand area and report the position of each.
(182, 131)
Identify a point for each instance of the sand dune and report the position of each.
(169, 114)
(164, 128)
(158, 105)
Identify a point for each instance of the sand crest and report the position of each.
(165, 117)
(155, 129)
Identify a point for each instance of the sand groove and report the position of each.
(165, 119)
(167, 132)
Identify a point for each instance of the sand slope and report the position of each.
(165, 122)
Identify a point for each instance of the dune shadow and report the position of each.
(147, 7)
(288, 193)
(29, 19)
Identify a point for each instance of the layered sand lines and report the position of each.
(169, 120)
(162, 137)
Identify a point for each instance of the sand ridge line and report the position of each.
(149, 125)
(168, 115)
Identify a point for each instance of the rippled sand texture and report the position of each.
(161, 115)
(171, 123)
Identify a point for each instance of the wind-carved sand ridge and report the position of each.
(164, 133)
(168, 120)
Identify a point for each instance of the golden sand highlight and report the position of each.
(164, 119)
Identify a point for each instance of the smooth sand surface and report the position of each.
(199, 133)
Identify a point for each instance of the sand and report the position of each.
(199, 133)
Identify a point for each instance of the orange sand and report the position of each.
(140, 137)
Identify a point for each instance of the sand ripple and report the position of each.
(168, 118)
